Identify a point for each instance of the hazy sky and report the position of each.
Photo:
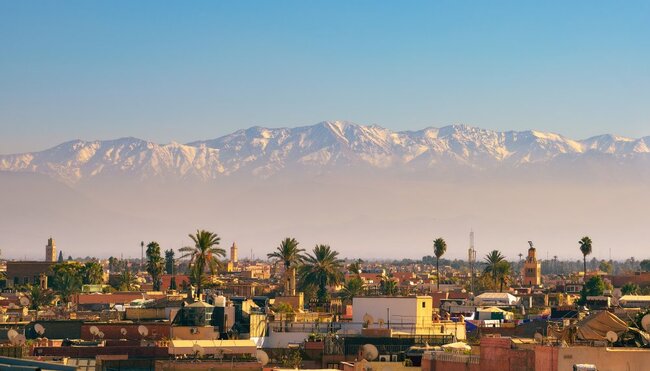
(190, 69)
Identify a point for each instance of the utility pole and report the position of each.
(141, 255)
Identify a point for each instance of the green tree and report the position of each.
(630, 288)
(605, 266)
(645, 265)
(291, 359)
(388, 285)
(595, 286)
(439, 249)
(322, 268)
(39, 298)
(354, 287)
(204, 255)
(155, 264)
(492, 261)
(92, 273)
(127, 281)
(355, 268)
(169, 261)
(504, 273)
(585, 249)
(67, 279)
(289, 254)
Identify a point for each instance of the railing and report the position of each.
(453, 357)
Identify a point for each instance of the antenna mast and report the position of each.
(471, 259)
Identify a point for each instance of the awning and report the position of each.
(225, 347)
(596, 326)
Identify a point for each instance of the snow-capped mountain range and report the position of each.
(264, 152)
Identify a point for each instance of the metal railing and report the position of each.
(454, 357)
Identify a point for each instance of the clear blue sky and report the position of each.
(188, 70)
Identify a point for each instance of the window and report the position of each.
(424, 304)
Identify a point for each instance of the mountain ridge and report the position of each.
(264, 152)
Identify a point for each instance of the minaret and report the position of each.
(532, 270)
(233, 253)
(50, 250)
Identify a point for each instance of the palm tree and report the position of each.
(289, 254)
(155, 264)
(39, 297)
(127, 281)
(354, 287)
(68, 279)
(322, 268)
(388, 285)
(93, 273)
(439, 249)
(492, 260)
(504, 271)
(355, 268)
(203, 255)
(585, 248)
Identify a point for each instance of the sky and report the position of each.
(188, 70)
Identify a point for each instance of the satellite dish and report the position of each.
(645, 322)
(611, 336)
(24, 301)
(94, 330)
(39, 329)
(143, 330)
(198, 350)
(123, 331)
(367, 318)
(11, 334)
(262, 357)
(539, 337)
(369, 352)
(101, 335)
(19, 340)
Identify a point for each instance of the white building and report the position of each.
(635, 301)
(496, 298)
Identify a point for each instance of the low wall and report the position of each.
(605, 359)
(113, 331)
(92, 352)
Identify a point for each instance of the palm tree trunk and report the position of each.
(584, 260)
(437, 273)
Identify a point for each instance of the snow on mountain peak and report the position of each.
(266, 151)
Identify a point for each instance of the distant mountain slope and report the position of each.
(264, 152)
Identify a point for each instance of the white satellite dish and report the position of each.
(94, 330)
(24, 301)
(369, 352)
(143, 330)
(40, 330)
(100, 334)
(645, 322)
(611, 336)
(198, 350)
(262, 357)
(539, 337)
(19, 339)
(123, 331)
(11, 334)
